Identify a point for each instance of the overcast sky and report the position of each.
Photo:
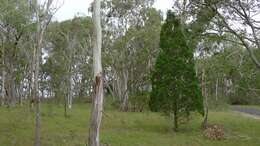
(71, 8)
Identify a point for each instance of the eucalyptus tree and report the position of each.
(97, 99)
(236, 74)
(68, 64)
(43, 14)
(244, 14)
(15, 21)
(128, 24)
(235, 23)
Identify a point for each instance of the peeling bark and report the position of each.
(97, 108)
(97, 100)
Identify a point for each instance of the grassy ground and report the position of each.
(121, 129)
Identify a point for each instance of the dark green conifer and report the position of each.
(175, 87)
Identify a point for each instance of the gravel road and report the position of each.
(247, 110)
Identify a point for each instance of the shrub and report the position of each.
(139, 102)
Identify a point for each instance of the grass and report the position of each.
(121, 129)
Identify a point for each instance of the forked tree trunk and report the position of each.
(43, 20)
(97, 100)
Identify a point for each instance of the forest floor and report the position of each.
(121, 129)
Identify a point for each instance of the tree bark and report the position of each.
(36, 84)
(70, 98)
(124, 104)
(66, 97)
(32, 81)
(175, 120)
(204, 94)
(3, 78)
(42, 20)
(97, 101)
(216, 90)
(10, 86)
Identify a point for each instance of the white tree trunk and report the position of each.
(36, 84)
(97, 100)
(32, 97)
(42, 23)
(70, 93)
(70, 77)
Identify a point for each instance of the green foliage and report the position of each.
(16, 47)
(129, 52)
(175, 88)
(231, 64)
(69, 56)
(139, 101)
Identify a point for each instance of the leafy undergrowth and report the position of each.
(121, 129)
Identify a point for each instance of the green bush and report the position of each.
(139, 102)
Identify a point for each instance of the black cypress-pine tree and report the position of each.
(175, 87)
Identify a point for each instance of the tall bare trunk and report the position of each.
(41, 26)
(124, 104)
(216, 90)
(36, 85)
(37, 102)
(66, 104)
(70, 78)
(97, 100)
(20, 93)
(119, 89)
(70, 93)
(32, 81)
(3, 78)
(175, 120)
(10, 86)
(204, 93)
(68, 96)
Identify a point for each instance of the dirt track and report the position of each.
(247, 110)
